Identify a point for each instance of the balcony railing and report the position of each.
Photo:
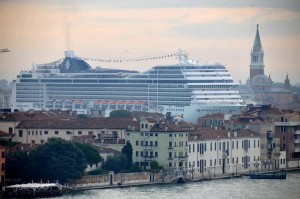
(297, 141)
(148, 158)
(297, 149)
(148, 147)
(297, 132)
(181, 158)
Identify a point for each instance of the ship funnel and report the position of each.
(70, 54)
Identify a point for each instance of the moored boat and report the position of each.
(32, 190)
(272, 175)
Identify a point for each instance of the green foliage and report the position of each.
(155, 166)
(98, 172)
(127, 151)
(134, 168)
(57, 159)
(91, 154)
(120, 113)
(115, 163)
(16, 165)
(82, 116)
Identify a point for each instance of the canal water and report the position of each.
(223, 188)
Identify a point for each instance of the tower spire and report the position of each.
(257, 57)
(257, 43)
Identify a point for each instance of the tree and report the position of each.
(57, 159)
(115, 163)
(155, 166)
(91, 154)
(127, 151)
(120, 113)
(16, 165)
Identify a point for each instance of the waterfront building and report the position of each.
(163, 142)
(105, 130)
(288, 132)
(187, 88)
(215, 151)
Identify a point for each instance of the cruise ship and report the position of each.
(187, 89)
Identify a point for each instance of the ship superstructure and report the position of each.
(187, 88)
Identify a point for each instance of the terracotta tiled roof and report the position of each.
(35, 115)
(271, 111)
(166, 127)
(79, 123)
(215, 134)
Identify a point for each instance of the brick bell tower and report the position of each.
(257, 57)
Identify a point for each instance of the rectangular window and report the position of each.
(146, 126)
(79, 132)
(211, 146)
(210, 163)
(137, 143)
(170, 135)
(142, 154)
(170, 164)
(232, 144)
(45, 132)
(193, 148)
(2, 154)
(156, 154)
(137, 154)
(69, 132)
(156, 134)
(254, 144)
(156, 143)
(170, 154)
(170, 144)
(237, 144)
(20, 133)
(10, 130)
(56, 132)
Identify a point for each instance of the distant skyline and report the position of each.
(209, 31)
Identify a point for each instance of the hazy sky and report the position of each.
(40, 31)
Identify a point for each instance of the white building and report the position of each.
(220, 152)
(159, 141)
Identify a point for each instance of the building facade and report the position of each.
(288, 132)
(159, 141)
(222, 152)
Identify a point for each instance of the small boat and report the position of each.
(32, 190)
(272, 175)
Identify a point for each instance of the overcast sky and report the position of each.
(210, 31)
